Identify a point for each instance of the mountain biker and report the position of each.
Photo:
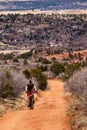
(30, 89)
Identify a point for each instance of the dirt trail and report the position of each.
(49, 112)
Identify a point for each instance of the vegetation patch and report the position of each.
(38, 75)
(57, 68)
(12, 86)
(77, 108)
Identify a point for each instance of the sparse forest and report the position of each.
(29, 31)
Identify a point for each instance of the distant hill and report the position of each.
(29, 31)
(10, 5)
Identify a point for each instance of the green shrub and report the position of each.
(6, 84)
(11, 82)
(57, 52)
(44, 61)
(25, 62)
(57, 68)
(41, 78)
(15, 60)
(7, 90)
(43, 68)
(25, 55)
(27, 74)
(70, 69)
(9, 56)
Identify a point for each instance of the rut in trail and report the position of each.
(49, 112)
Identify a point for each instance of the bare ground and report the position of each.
(66, 55)
(49, 112)
(14, 51)
(37, 11)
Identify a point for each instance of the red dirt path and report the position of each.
(49, 112)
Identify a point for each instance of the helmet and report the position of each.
(30, 81)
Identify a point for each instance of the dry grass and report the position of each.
(13, 104)
(77, 106)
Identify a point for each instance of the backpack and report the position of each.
(30, 87)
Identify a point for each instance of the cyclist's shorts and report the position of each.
(28, 93)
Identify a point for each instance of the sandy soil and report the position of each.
(57, 56)
(37, 11)
(49, 112)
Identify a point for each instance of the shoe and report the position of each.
(28, 105)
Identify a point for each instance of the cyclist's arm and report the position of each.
(26, 89)
(35, 89)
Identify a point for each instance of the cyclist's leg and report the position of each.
(33, 95)
(28, 96)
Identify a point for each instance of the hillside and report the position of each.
(41, 31)
(49, 113)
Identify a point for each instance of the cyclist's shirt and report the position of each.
(29, 89)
